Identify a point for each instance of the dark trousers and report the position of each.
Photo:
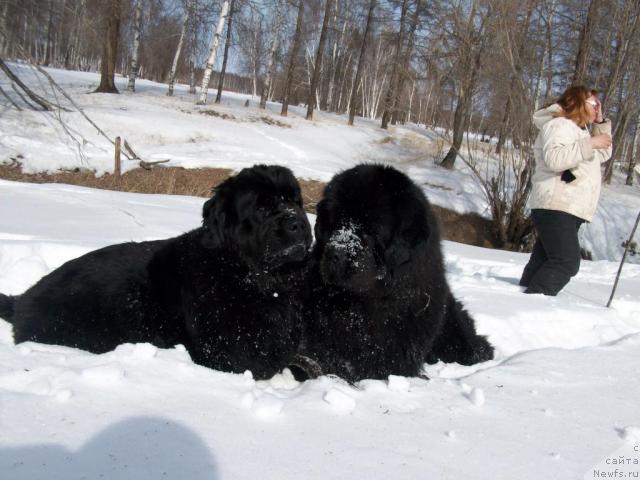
(556, 253)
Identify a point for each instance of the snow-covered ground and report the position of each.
(559, 400)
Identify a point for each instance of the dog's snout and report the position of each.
(295, 228)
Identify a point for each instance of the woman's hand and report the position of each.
(601, 141)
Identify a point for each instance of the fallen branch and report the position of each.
(6, 95)
(127, 150)
(149, 165)
(44, 103)
(26, 102)
(624, 256)
(76, 106)
(134, 155)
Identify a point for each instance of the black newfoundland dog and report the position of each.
(379, 303)
(228, 291)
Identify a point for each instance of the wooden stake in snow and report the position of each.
(117, 169)
(624, 256)
(212, 54)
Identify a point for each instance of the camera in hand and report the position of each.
(567, 176)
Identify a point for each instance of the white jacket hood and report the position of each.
(545, 115)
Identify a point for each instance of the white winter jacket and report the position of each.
(562, 145)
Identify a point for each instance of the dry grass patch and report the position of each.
(215, 113)
(197, 182)
(467, 228)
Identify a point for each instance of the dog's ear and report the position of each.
(213, 221)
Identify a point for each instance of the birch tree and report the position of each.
(176, 57)
(215, 41)
(135, 52)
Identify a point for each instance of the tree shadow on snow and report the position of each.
(142, 448)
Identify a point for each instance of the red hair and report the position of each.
(574, 104)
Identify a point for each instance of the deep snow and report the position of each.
(559, 399)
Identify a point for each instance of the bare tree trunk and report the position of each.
(363, 49)
(474, 46)
(311, 102)
(110, 49)
(292, 60)
(44, 103)
(275, 36)
(516, 75)
(194, 45)
(80, 13)
(4, 40)
(386, 114)
(549, 39)
(135, 53)
(225, 56)
(176, 57)
(215, 41)
(626, 103)
(623, 45)
(48, 50)
(633, 154)
(584, 46)
(406, 58)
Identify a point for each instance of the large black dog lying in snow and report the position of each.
(228, 290)
(379, 302)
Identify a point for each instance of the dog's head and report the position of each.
(258, 214)
(373, 222)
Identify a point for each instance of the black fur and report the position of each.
(6, 306)
(228, 291)
(378, 302)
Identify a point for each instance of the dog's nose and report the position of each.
(292, 224)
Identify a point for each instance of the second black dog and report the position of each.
(379, 303)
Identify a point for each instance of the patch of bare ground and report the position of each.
(227, 116)
(170, 180)
(471, 229)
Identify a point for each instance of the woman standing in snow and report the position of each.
(566, 185)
